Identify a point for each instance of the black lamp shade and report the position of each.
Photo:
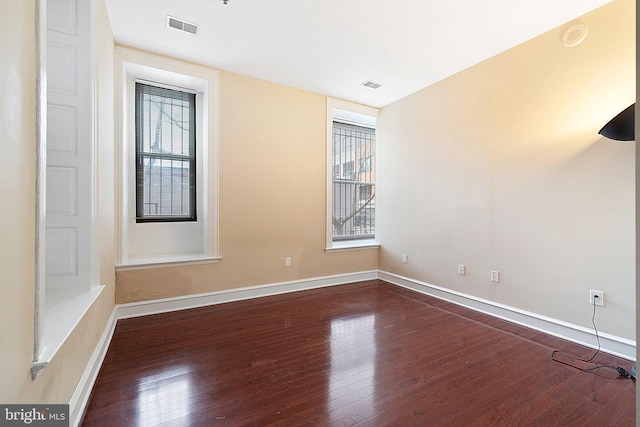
(622, 126)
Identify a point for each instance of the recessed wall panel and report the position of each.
(62, 252)
(61, 16)
(62, 132)
(61, 191)
(61, 68)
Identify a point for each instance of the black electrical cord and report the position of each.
(621, 371)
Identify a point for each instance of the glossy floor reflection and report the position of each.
(367, 354)
(164, 396)
(353, 366)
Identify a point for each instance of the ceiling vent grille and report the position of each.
(179, 24)
(371, 84)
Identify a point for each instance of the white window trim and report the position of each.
(346, 108)
(132, 63)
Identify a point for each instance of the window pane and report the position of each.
(166, 187)
(353, 182)
(165, 154)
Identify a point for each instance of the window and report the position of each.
(353, 211)
(347, 167)
(351, 185)
(166, 161)
(165, 154)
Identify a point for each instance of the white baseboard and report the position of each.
(165, 305)
(611, 344)
(81, 395)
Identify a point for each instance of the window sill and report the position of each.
(147, 263)
(60, 321)
(353, 245)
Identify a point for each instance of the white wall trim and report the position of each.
(41, 185)
(159, 263)
(165, 305)
(61, 320)
(611, 344)
(353, 247)
(80, 396)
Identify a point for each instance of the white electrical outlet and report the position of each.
(461, 269)
(596, 297)
(405, 258)
(495, 276)
(287, 262)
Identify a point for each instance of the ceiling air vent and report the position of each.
(371, 84)
(181, 25)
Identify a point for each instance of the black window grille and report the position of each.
(353, 166)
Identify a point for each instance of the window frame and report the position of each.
(361, 115)
(191, 157)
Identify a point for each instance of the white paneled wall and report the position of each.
(68, 199)
(69, 150)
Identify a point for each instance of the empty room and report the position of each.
(238, 212)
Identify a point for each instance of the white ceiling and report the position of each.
(332, 46)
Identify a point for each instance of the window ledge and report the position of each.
(60, 320)
(147, 263)
(353, 245)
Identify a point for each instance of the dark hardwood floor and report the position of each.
(366, 354)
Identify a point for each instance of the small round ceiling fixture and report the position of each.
(574, 34)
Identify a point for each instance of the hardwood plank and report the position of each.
(367, 353)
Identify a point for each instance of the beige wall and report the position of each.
(17, 225)
(17, 136)
(500, 167)
(272, 198)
